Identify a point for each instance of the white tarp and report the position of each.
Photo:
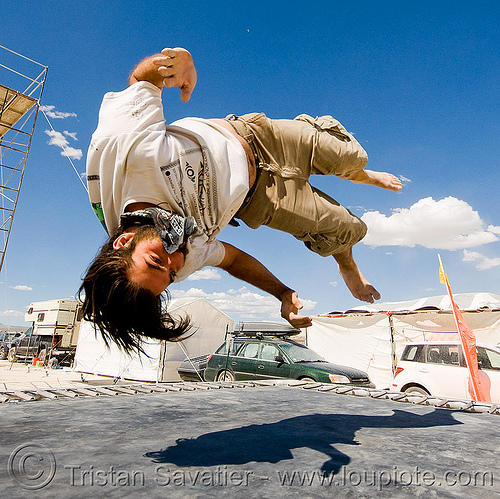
(465, 301)
(93, 357)
(209, 328)
(363, 340)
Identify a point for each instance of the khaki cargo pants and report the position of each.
(287, 152)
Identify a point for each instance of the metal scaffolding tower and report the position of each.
(21, 86)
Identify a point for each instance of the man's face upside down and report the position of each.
(152, 267)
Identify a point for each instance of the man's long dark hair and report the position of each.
(123, 311)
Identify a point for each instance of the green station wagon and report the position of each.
(265, 357)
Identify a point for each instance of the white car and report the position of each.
(439, 369)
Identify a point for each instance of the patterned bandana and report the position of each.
(173, 230)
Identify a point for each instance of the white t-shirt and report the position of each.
(197, 167)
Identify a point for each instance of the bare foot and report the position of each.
(358, 285)
(354, 279)
(379, 179)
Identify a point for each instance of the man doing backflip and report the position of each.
(164, 192)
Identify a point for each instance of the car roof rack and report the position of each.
(261, 329)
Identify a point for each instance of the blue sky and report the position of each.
(415, 82)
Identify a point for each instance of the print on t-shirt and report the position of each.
(200, 202)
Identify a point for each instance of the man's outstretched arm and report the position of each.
(248, 269)
(170, 68)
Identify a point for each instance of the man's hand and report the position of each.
(290, 305)
(170, 68)
(245, 267)
(177, 69)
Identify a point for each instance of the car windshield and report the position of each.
(300, 353)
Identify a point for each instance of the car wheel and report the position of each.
(12, 355)
(3, 353)
(418, 390)
(307, 378)
(225, 376)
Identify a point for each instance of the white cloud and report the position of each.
(49, 111)
(11, 313)
(21, 287)
(242, 301)
(484, 263)
(72, 153)
(205, 274)
(445, 224)
(57, 139)
(70, 134)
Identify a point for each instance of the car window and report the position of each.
(443, 354)
(452, 355)
(250, 350)
(488, 359)
(412, 353)
(234, 348)
(268, 352)
(434, 355)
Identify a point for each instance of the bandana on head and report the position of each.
(173, 230)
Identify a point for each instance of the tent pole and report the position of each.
(393, 344)
(229, 345)
(186, 353)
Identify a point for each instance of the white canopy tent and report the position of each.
(162, 359)
(372, 337)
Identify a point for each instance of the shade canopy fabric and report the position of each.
(13, 106)
(162, 358)
(368, 336)
(465, 301)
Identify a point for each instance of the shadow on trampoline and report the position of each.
(273, 442)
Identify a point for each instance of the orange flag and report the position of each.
(468, 340)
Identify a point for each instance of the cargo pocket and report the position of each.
(319, 244)
(327, 124)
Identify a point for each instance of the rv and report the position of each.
(60, 320)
